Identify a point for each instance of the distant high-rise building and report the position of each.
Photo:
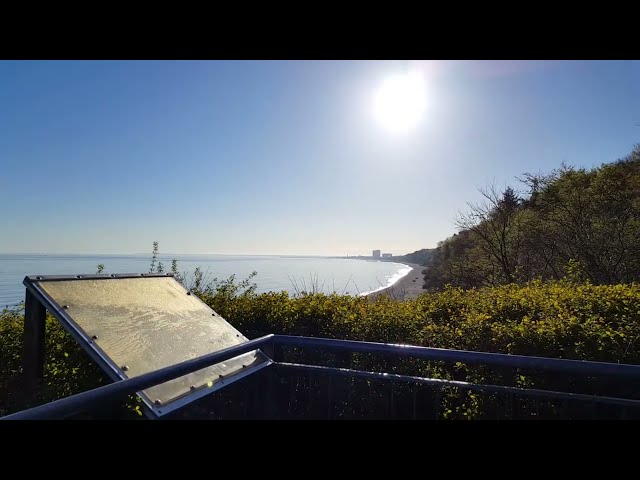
(376, 254)
(387, 255)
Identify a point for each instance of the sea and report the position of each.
(292, 274)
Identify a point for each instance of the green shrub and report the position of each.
(68, 369)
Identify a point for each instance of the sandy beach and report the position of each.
(407, 288)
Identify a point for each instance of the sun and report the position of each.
(400, 102)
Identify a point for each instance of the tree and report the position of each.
(493, 223)
(580, 223)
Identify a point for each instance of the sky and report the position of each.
(287, 157)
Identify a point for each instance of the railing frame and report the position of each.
(86, 400)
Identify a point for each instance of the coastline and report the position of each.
(408, 287)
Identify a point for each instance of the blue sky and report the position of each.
(277, 157)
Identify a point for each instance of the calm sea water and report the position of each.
(275, 273)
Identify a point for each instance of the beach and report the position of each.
(407, 288)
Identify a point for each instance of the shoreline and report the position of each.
(407, 287)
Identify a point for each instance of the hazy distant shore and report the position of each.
(407, 288)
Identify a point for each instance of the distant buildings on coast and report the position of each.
(375, 255)
(423, 257)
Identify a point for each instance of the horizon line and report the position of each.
(194, 254)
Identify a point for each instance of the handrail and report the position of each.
(584, 367)
(69, 405)
(474, 387)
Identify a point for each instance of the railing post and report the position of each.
(269, 349)
(392, 409)
(329, 397)
(267, 387)
(437, 404)
(34, 340)
(267, 391)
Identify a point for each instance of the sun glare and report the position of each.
(399, 102)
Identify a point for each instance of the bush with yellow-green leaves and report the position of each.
(553, 319)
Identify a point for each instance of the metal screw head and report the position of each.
(125, 367)
(188, 293)
(95, 337)
(158, 402)
(65, 306)
(192, 387)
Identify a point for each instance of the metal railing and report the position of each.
(81, 401)
(316, 378)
